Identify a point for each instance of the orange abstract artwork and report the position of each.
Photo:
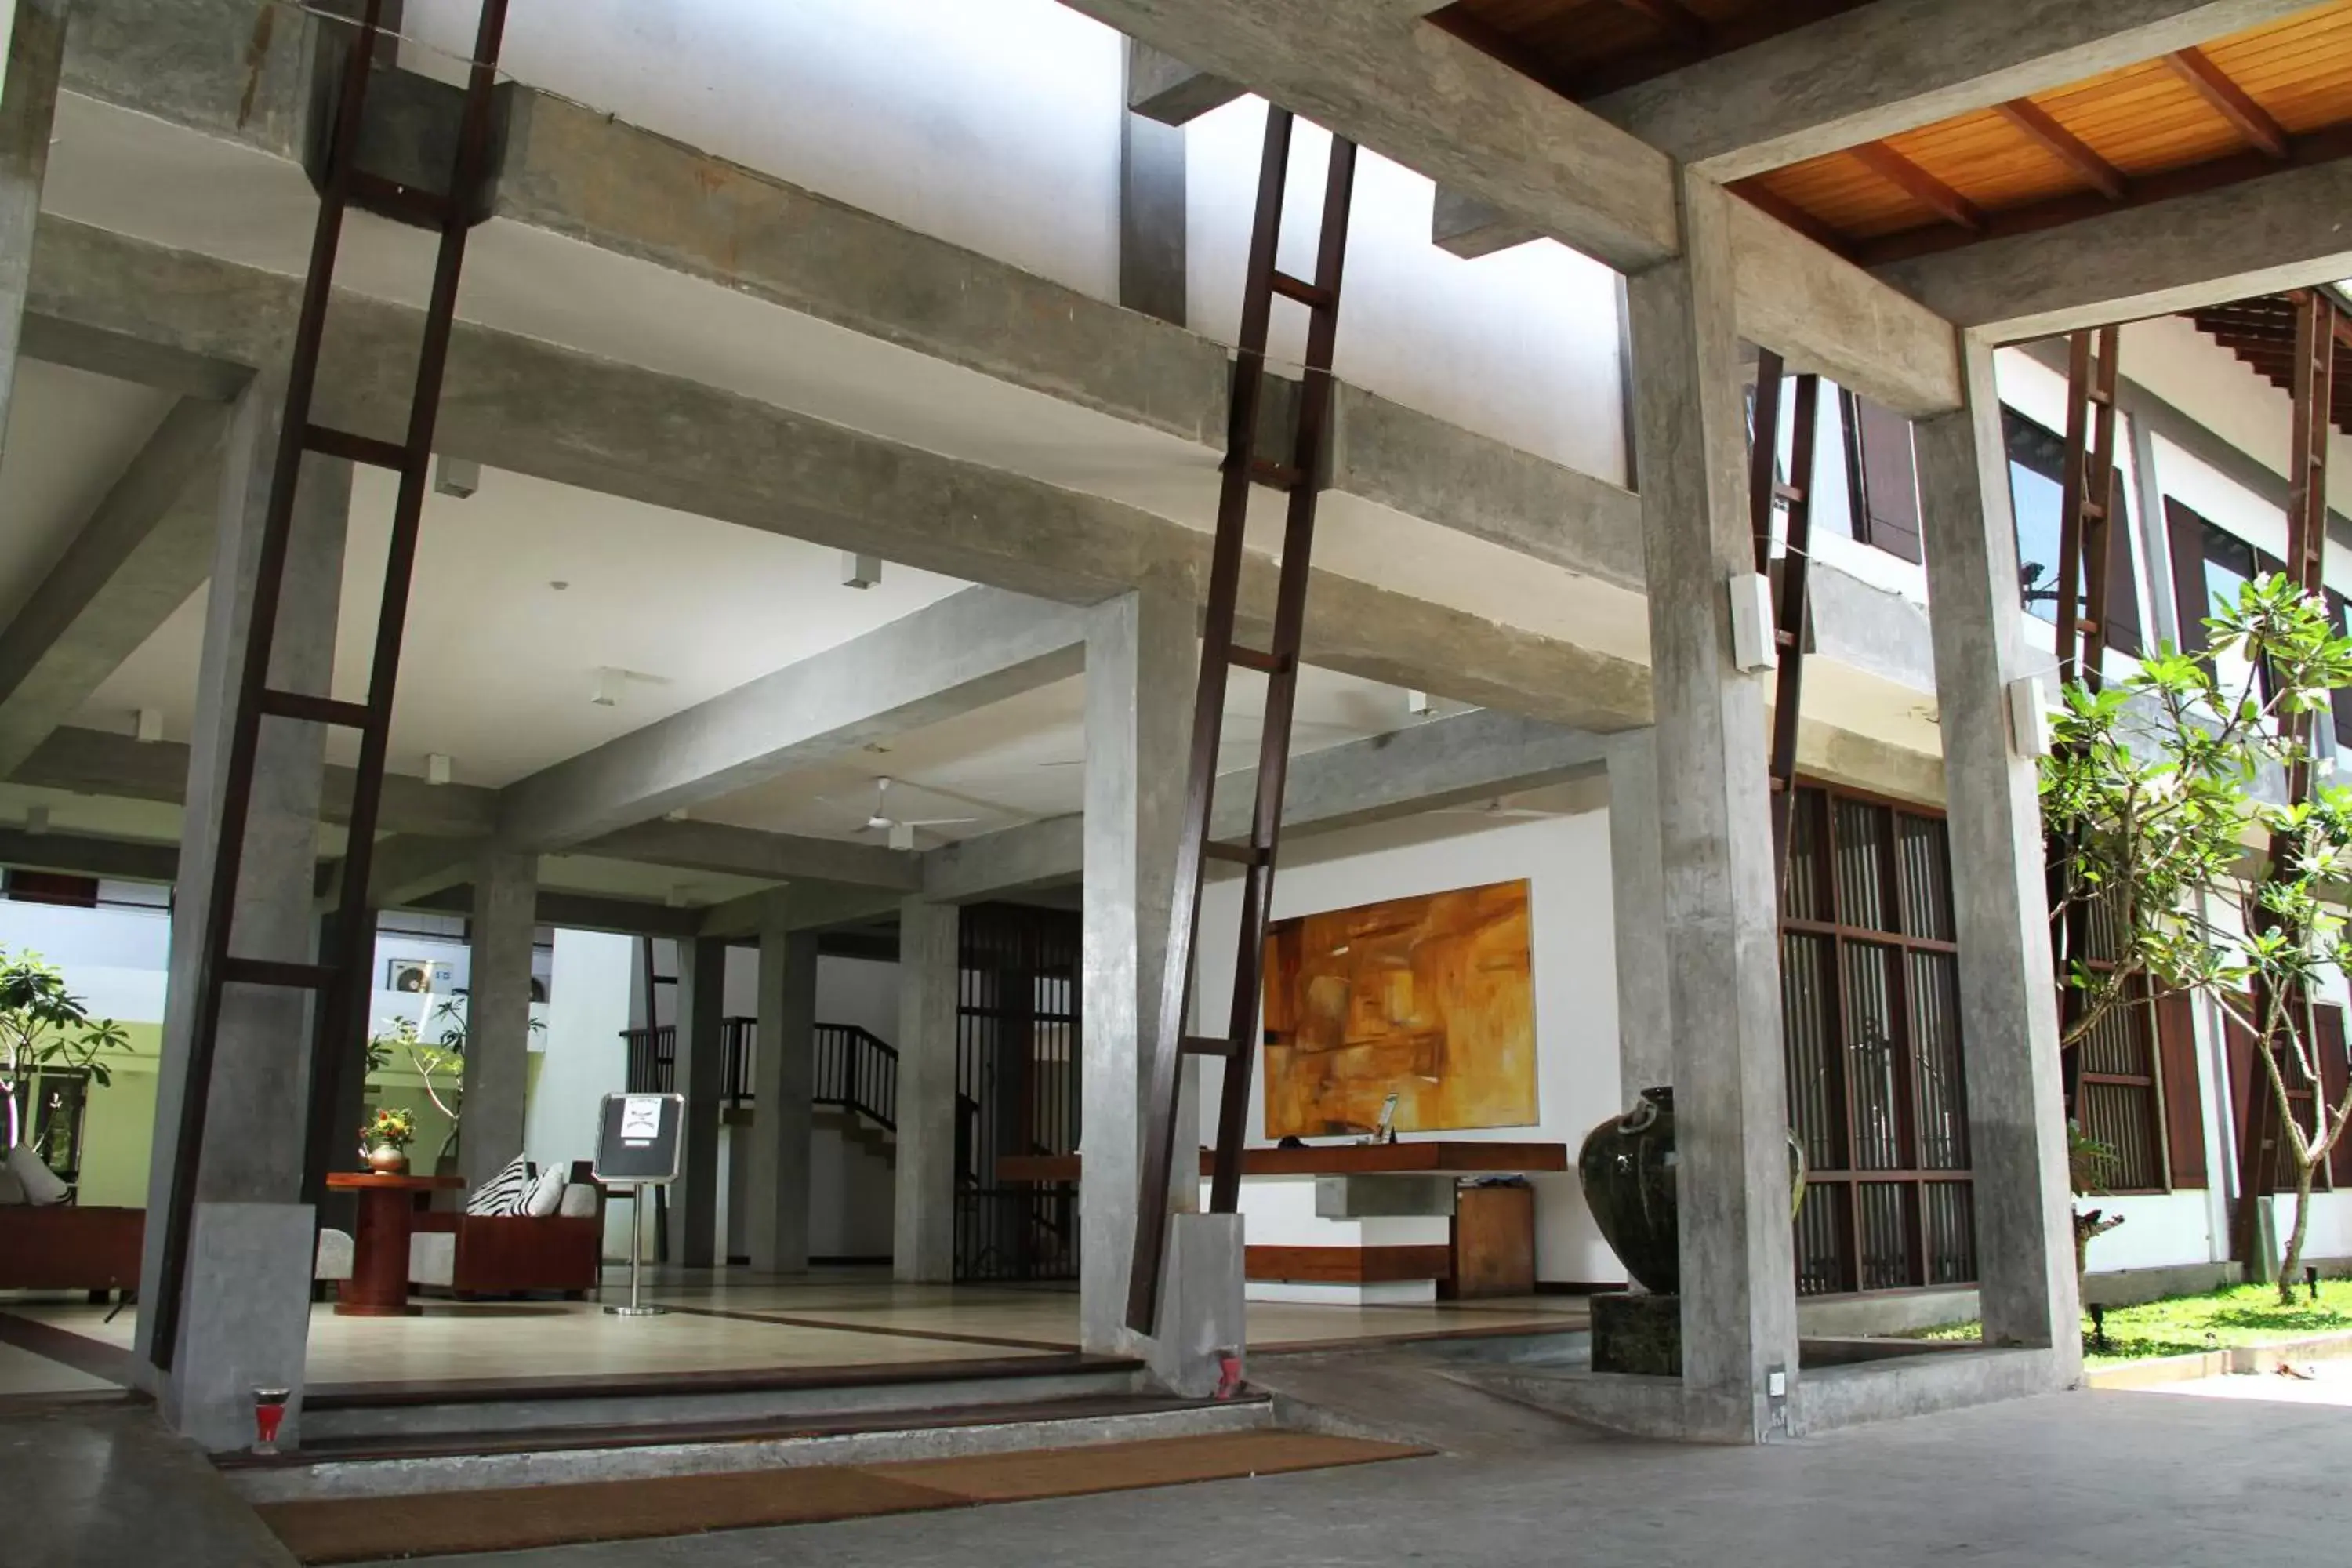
(1430, 999)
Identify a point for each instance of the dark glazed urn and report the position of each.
(1627, 1170)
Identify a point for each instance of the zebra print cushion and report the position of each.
(503, 1193)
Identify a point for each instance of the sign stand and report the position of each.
(637, 1147)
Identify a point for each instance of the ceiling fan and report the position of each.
(901, 830)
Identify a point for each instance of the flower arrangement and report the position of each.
(392, 1127)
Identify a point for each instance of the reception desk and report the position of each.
(1363, 1224)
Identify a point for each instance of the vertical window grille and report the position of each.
(1870, 1003)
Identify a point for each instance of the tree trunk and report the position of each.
(2291, 1265)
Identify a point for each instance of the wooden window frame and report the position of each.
(1909, 1175)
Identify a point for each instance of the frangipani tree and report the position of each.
(42, 1025)
(2168, 794)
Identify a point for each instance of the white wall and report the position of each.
(1565, 859)
(583, 1058)
(993, 124)
(113, 958)
(1521, 346)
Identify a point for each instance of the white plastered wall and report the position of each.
(1565, 860)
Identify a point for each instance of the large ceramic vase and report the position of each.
(1627, 1170)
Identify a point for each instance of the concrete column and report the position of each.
(28, 108)
(701, 1065)
(1645, 1037)
(1722, 947)
(497, 1013)
(922, 1245)
(1141, 664)
(246, 1311)
(783, 1060)
(2009, 1027)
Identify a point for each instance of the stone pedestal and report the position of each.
(1638, 1332)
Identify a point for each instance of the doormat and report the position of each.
(435, 1524)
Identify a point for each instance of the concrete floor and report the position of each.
(2081, 1478)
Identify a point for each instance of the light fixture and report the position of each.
(36, 819)
(2028, 716)
(678, 816)
(457, 478)
(1751, 622)
(860, 571)
(1417, 704)
(149, 724)
(609, 682)
(436, 767)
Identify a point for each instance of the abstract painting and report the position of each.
(1430, 999)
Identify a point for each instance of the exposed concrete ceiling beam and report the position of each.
(2283, 230)
(97, 763)
(1797, 297)
(966, 651)
(127, 358)
(807, 906)
(555, 413)
(752, 852)
(146, 547)
(1880, 69)
(1473, 756)
(583, 912)
(85, 855)
(1428, 101)
(1162, 87)
(592, 179)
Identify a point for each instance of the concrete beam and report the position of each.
(1823, 313)
(88, 854)
(533, 407)
(129, 358)
(93, 762)
(1470, 227)
(751, 852)
(965, 652)
(143, 552)
(2279, 231)
(804, 906)
(407, 866)
(1447, 762)
(1883, 68)
(583, 911)
(1162, 88)
(1423, 97)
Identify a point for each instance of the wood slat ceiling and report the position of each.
(2237, 108)
(2261, 332)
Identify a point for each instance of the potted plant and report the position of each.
(385, 1138)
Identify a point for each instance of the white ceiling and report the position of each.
(70, 433)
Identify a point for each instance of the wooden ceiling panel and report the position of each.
(2089, 139)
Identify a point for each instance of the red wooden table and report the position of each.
(378, 1287)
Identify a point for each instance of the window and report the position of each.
(1864, 480)
(52, 888)
(2037, 498)
(2120, 1098)
(1870, 1010)
(2249, 1088)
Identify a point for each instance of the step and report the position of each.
(386, 1467)
(334, 1413)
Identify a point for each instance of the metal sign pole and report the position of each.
(636, 1248)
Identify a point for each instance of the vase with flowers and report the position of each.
(385, 1138)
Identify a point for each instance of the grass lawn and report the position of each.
(2181, 1325)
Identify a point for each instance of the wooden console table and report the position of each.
(378, 1287)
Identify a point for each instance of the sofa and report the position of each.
(64, 1246)
(467, 1256)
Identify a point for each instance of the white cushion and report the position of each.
(336, 1249)
(579, 1202)
(40, 1183)
(503, 1193)
(546, 1194)
(433, 1258)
